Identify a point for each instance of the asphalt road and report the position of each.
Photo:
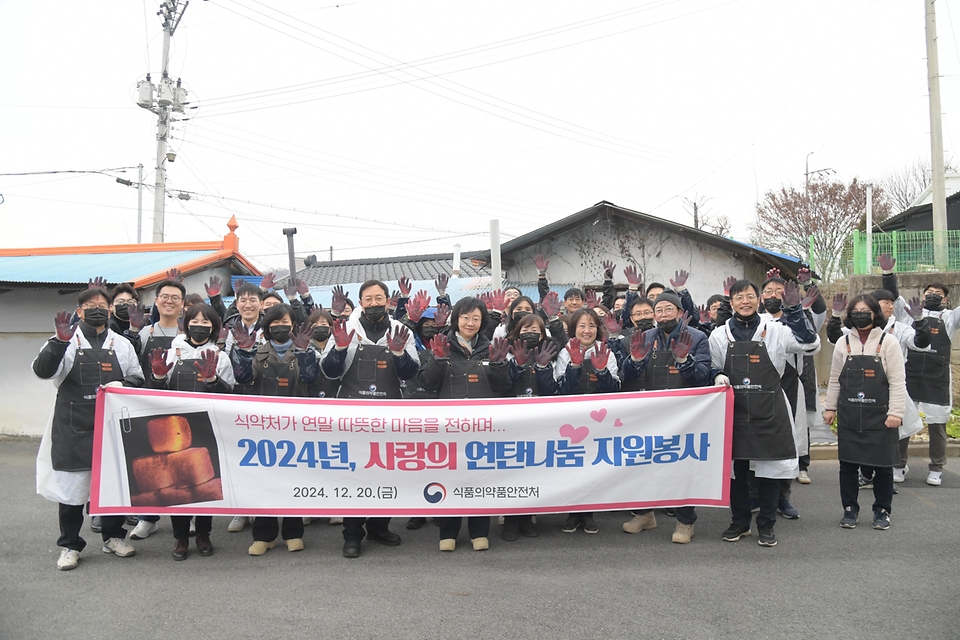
(819, 582)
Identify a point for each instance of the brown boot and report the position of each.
(180, 549)
(204, 546)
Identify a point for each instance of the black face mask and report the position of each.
(198, 333)
(122, 312)
(375, 314)
(95, 317)
(645, 324)
(280, 333)
(530, 340)
(861, 319)
(931, 301)
(668, 326)
(321, 333)
(519, 315)
(773, 305)
(427, 333)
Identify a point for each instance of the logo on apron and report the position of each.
(373, 387)
(746, 381)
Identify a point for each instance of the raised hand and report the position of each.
(97, 283)
(773, 273)
(137, 318)
(498, 350)
(206, 366)
(440, 346)
(551, 304)
(608, 268)
(681, 346)
(442, 316)
(239, 283)
(804, 276)
(397, 341)
(632, 275)
(810, 297)
(704, 315)
(290, 289)
(64, 329)
(405, 286)
(417, 306)
(341, 336)
(159, 364)
(175, 274)
(542, 264)
(545, 353)
(679, 281)
(887, 261)
(441, 283)
(520, 353)
(600, 356)
(495, 301)
(728, 283)
(613, 324)
(591, 301)
(576, 351)
(639, 349)
(269, 281)
(791, 294)
(302, 288)
(339, 302)
(213, 287)
(243, 339)
(914, 308)
(839, 303)
(394, 300)
(301, 336)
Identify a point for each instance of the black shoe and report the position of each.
(881, 519)
(589, 525)
(204, 545)
(736, 531)
(849, 519)
(865, 482)
(351, 549)
(767, 539)
(415, 523)
(571, 524)
(385, 537)
(96, 525)
(511, 530)
(528, 527)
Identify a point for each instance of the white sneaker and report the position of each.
(68, 559)
(120, 547)
(934, 478)
(237, 524)
(898, 475)
(143, 530)
(803, 478)
(307, 521)
(336, 520)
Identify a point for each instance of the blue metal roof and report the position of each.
(80, 267)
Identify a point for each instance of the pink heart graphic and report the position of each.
(599, 414)
(575, 435)
(618, 423)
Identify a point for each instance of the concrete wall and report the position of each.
(25, 400)
(576, 256)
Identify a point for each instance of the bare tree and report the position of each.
(706, 220)
(829, 212)
(905, 185)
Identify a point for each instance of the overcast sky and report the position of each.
(396, 127)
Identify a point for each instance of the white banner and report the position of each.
(165, 452)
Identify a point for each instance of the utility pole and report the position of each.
(139, 203)
(163, 99)
(936, 142)
(290, 232)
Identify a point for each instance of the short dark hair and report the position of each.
(193, 299)
(125, 288)
(466, 305)
(517, 289)
(743, 285)
(274, 313)
(320, 314)
(208, 312)
(714, 298)
(574, 291)
(272, 294)
(639, 300)
(870, 301)
(776, 280)
(882, 294)
(374, 283)
(525, 322)
(249, 289)
(171, 283)
(654, 285)
(938, 285)
(586, 311)
(90, 294)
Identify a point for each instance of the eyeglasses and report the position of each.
(122, 303)
(87, 307)
(744, 297)
(167, 296)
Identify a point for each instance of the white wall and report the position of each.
(25, 399)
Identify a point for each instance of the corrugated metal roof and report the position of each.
(78, 268)
(423, 267)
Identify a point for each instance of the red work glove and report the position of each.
(397, 341)
(213, 287)
(442, 315)
(551, 305)
(520, 352)
(639, 349)
(498, 350)
(576, 352)
(301, 336)
(243, 339)
(268, 282)
(64, 329)
(441, 283)
(339, 302)
(681, 346)
(542, 264)
(729, 282)
(405, 286)
(341, 337)
(159, 364)
(887, 262)
(440, 346)
(207, 365)
(680, 280)
(608, 268)
(632, 275)
(613, 325)
(839, 303)
(601, 356)
(175, 274)
(97, 283)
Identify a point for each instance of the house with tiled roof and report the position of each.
(36, 283)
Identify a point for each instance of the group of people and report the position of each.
(757, 339)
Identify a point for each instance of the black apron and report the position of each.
(790, 381)
(632, 384)
(661, 372)
(526, 385)
(808, 378)
(323, 387)
(588, 377)
(153, 342)
(371, 374)
(75, 408)
(928, 372)
(467, 379)
(862, 436)
(276, 379)
(761, 420)
(184, 376)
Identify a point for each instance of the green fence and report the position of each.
(913, 251)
